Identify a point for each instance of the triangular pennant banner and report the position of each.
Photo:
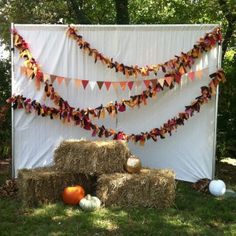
(92, 84)
(138, 83)
(100, 84)
(67, 81)
(206, 70)
(29, 72)
(53, 78)
(199, 74)
(161, 82)
(191, 75)
(37, 83)
(78, 83)
(23, 70)
(182, 70)
(154, 82)
(107, 84)
(146, 82)
(84, 83)
(130, 84)
(46, 77)
(123, 85)
(115, 85)
(169, 80)
(59, 79)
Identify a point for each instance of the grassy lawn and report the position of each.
(193, 214)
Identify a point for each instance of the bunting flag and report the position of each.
(177, 66)
(138, 83)
(78, 83)
(123, 85)
(100, 84)
(29, 72)
(107, 84)
(67, 81)
(68, 114)
(167, 81)
(147, 82)
(161, 82)
(199, 74)
(59, 80)
(191, 75)
(23, 70)
(115, 85)
(92, 84)
(130, 84)
(84, 83)
(46, 77)
(53, 78)
(154, 82)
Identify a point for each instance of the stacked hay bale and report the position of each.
(77, 162)
(45, 185)
(149, 188)
(98, 166)
(92, 157)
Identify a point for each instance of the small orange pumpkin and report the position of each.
(72, 195)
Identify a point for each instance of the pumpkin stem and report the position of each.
(88, 196)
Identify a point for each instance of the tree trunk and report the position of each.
(227, 38)
(77, 8)
(231, 19)
(122, 13)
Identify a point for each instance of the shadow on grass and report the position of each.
(193, 214)
(227, 172)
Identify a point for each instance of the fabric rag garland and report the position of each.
(69, 114)
(173, 68)
(32, 70)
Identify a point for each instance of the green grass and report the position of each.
(193, 214)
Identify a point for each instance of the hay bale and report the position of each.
(149, 188)
(91, 157)
(45, 185)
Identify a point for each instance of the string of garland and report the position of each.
(35, 72)
(30, 63)
(69, 114)
(175, 67)
(111, 108)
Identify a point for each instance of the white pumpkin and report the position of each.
(217, 188)
(133, 164)
(90, 203)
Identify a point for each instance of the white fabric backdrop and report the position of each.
(189, 151)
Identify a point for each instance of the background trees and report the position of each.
(136, 12)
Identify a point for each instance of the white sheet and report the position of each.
(189, 151)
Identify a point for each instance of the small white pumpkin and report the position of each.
(90, 203)
(133, 164)
(217, 188)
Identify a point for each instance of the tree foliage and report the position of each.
(5, 117)
(227, 108)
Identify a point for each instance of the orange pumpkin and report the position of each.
(72, 195)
